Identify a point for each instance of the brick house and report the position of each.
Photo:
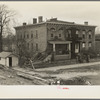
(64, 39)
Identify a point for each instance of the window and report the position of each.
(0, 58)
(31, 36)
(77, 33)
(28, 45)
(28, 36)
(83, 44)
(36, 34)
(52, 29)
(24, 33)
(83, 34)
(90, 34)
(31, 46)
(36, 47)
(59, 35)
(21, 36)
(51, 35)
(69, 33)
(90, 44)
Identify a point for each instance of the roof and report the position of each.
(59, 42)
(55, 21)
(5, 54)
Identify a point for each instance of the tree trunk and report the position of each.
(32, 64)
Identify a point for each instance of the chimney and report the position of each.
(34, 20)
(85, 23)
(24, 24)
(40, 19)
(53, 19)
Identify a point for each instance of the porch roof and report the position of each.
(60, 42)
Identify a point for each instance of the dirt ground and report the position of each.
(89, 73)
(9, 77)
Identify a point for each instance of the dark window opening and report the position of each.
(36, 34)
(90, 36)
(51, 35)
(32, 46)
(31, 35)
(59, 35)
(36, 47)
(83, 36)
(28, 45)
(27, 36)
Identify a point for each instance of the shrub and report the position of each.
(90, 52)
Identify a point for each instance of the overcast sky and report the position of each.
(73, 11)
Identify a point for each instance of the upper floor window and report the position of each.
(90, 34)
(21, 36)
(51, 35)
(28, 36)
(77, 32)
(83, 34)
(83, 44)
(36, 34)
(31, 46)
(28, 45)
(90, 44)
(69, 33)
(36, 47)
(59, 35)
(31, 34)
(24, 33)
(52, 29)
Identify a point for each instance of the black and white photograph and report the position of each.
(49, 43)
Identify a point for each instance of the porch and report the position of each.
(61, 49)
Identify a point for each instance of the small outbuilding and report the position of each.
(8, 59)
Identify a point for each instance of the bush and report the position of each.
(90, 52)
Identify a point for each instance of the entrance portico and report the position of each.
(61, 49)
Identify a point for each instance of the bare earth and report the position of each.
(90, 72)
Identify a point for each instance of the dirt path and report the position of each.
(68, 66)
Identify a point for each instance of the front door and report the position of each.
(10, 61)
(76, 47)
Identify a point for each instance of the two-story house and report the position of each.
(64, 39)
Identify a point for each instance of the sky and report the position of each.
(72, 11)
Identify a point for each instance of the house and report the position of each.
(64, 39)
(97, 44)
(8, 59)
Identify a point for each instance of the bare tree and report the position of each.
(5, 17)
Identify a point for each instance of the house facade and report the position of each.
(64, 39)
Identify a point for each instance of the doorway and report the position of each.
(10, 61)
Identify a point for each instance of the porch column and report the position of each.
(54, 47)
(69, 50)
(69, 47)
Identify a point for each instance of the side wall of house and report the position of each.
(2, 61)
(35, 37)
